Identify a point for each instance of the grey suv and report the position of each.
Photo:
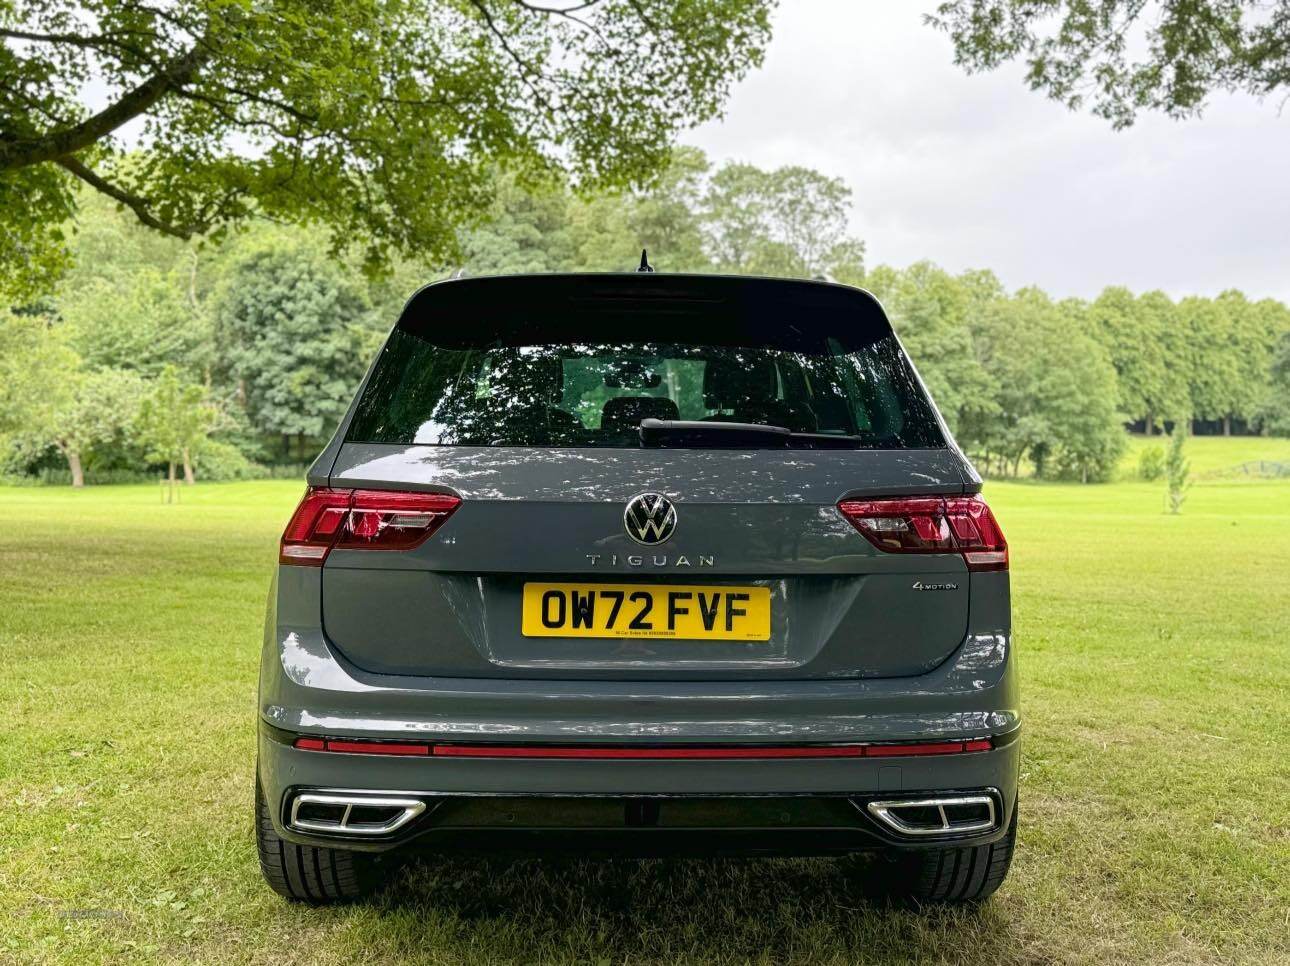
(640, 564)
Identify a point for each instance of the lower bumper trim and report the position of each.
(466, 822)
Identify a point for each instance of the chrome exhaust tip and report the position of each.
(346, 814)
(948, 815)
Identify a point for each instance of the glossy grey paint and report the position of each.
(308, 687)
(840, 608)
(803, 692)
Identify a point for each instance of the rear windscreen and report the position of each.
(538, 386)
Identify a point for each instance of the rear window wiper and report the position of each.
(701, 434)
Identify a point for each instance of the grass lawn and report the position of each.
(1212, 456)
(1155, 821)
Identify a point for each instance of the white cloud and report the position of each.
(980, 172)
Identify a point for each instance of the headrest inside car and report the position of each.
(624, 413)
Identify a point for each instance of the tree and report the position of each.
(1177, 469)
(293, 335)
(526, 231)
(930, 310)
(664, 216)
(141, 321)
(1124, 56)
(49, 399)
(1054, 390)
(101, 404)
(1276, 408)
(1140, 338)
(174, 420)
(35, 367)
(378, 120)
(791, 221)
(609, 229)
(133, 298)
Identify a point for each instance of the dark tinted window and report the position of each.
(540, 386)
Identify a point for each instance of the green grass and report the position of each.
(1212, 456)
(1155, 790)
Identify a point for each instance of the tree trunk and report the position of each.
(1151, 424)
(74, 464)
(170, 482)
(1227, 425)
(188, 469)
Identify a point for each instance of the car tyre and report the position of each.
(307, 873)
(954, 875)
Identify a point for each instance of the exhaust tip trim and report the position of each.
(959, 814)
(352, 814)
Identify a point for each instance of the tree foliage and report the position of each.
(379, 119)
(937, 315)
(1141, 335)
(49, 399)
(1053, 390)
(173, 422)
(1119, 57)
(789, 221)
(274, 334)
(1276, 408)
(293, 338)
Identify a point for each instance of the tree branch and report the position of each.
(59, 145)
(527, 72)
(568, 13)
(136, 204)
(88, 42)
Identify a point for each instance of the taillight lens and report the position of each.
(327, 519)
(313, 526)
(932, 524)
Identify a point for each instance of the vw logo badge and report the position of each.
(650, 518)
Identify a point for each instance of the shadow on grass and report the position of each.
(483, 908)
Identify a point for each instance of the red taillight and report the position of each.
(328, 519)
(313, 526)
(932, 524)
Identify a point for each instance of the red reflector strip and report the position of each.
(646, 754)
(925, 748)
(361, 747)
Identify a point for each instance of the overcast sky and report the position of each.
(981, 172)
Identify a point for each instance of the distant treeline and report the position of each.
(219, 358)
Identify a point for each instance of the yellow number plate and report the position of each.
(698, 613)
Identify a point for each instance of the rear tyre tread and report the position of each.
(296, 871)
(955, 875)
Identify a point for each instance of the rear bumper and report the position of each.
(787, 806)
(307, 688)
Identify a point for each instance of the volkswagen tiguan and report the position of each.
(640, 564)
